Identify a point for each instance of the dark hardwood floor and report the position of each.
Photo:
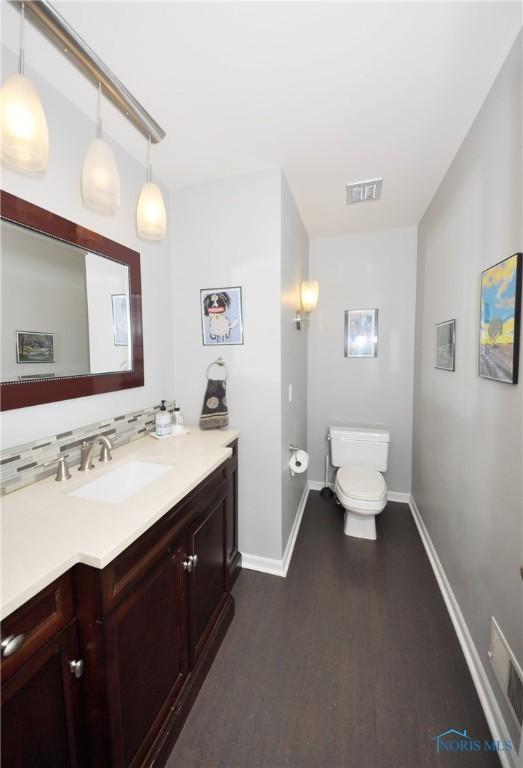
(349, 662)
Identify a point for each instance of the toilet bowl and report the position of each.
(361, 455)
(363, 494)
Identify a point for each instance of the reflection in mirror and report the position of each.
(64, 311)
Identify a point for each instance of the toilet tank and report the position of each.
(359, 446)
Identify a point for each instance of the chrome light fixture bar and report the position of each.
(60, 32)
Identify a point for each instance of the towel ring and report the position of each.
(222, 364)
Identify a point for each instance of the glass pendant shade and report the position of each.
(24, 134)
(310, 290)
(151, 218)
(100, 178)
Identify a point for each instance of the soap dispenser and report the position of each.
(163, 421)
(178, 421)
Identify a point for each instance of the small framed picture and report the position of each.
(120, 319)
(222, 318)
(361, 333)
(499, 320)
(445, 345)
(34, 347)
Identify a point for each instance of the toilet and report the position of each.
(361, 455)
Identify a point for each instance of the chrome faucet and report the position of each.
(87, 450)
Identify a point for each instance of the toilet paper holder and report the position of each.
(293, 451)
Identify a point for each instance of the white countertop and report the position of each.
(45, 532)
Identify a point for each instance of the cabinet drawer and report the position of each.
(32, 625)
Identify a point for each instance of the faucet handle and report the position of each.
(62, 470)
(85, 456)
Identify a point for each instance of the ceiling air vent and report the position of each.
(364, 191)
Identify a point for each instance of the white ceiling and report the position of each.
(331, 92)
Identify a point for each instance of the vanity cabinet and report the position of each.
(151, 617)
(146, 627)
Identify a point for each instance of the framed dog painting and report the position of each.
(222, 319)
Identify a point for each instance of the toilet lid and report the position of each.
(360, 483)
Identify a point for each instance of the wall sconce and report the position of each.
(309, 292)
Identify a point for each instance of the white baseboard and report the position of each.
(273, 566)
(317, 485)
(291, 541)
(493, 714)
(262, 564)
(400, 496)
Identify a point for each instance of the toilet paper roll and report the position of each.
(299, 461)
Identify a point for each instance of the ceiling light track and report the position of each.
(57, 29)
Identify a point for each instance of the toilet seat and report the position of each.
(363, 494)
(361, 484)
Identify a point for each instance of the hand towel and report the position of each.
(214, 411)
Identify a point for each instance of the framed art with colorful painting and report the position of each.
(500, 310)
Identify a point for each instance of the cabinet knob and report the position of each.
(190, 563)
(77, 667)
(11, 644)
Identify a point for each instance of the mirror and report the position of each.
(64, 310)
(70, 309)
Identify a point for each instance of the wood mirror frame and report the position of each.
(24, 393)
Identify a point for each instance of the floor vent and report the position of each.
(515, 692)
(507, 670)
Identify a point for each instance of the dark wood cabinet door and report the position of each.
(232, 553)
(41, 714)
(207, 541)
(146, 651)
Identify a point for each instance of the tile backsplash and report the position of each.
(24, 464)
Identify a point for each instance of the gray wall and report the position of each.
(467, 430)
(294, 269)
(228, 233)
(58, 189)
(43, 289)
(370, 269)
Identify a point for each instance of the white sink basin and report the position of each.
(123, 482)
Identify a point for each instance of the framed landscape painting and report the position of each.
(500, 319)
(445, 343)
(34, 347)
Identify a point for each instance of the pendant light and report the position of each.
(100, 178)
(24, 136)
(151, 218)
